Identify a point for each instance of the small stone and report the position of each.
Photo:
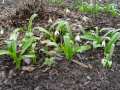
(6, 81)
(2, 75)
(37, 88)
(28, 68)
(85, 19)
(89, 78)
(11, 74)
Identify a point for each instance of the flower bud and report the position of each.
(57, 33)
(77, 38)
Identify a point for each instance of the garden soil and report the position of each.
(64, 75)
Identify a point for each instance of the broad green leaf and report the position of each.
(43, 30)
(4, 52)
(111, 43)
(68, 47)
(30, 22)
(26, 44)
(61, 26)
(90, 36)
(81, 49)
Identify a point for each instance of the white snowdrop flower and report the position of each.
(50, 20)
(57, 33)
(103, 43)
(103, 61)
(1, 31)
(67, 11)
(77, 38)
(27, 60)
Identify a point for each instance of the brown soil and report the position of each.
(64, 76)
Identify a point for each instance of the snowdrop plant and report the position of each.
(56, 31)
(94, 37)
(97, 8)
(112, 9)
(19, 50)
(109, 49)
(70, 48)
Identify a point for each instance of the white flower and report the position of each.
(104, 43)
(77, 38)
(67, 11)
(50, 20)
(57, 33)
(27, 60)
(1, 31)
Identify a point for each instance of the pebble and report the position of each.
(2, 75)
(89, 78)
(37, 88)
(28, 68)
(11, 74)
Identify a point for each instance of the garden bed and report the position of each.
(64, 75)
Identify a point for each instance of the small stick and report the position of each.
(79, 63)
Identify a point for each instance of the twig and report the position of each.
(79, 63)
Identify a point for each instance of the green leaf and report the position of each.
(4, 52)
(89, 36)
(68, 47)
(83, 48)
(12, 44)
(28, 56)
(107, 63)
(43, 30)
(111, 43)
(61, 26)
(26, 44)
(30, 22)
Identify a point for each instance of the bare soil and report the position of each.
(64, 75)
